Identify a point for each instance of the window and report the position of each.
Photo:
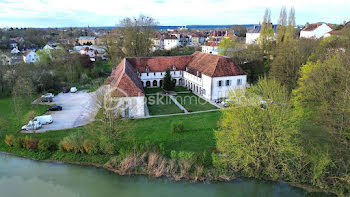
(219, 83)
(228, 82)
(239, 82)
(154, 74)
(147, 74)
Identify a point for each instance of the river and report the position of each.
(23, 177)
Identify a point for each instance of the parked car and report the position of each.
(46, 119)
(65, 90)
(73, 89)
(47, 97)
(226, 102)
(218, 100)
(55, 108)
(32, 125)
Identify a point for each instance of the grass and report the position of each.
(10, 124)
(198, 135)
(193, 103)
(158, 90)
(160, 105)
(153, 90)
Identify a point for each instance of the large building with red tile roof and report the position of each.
(207, 75)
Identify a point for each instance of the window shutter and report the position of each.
(230, 82)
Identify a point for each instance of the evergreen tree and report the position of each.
(168, 84)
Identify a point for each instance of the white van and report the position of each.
(46, 119)
(32, 125)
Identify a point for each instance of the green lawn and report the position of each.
(181, 89)
(153, 90)
(160, 105)
(193, 102)
(158, 90)
(9, 123)
(198, 133)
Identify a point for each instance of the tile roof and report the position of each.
(160, 64)
(211, 44)
(27, 52)
(214, 65)
(312, 27)
(124, 81)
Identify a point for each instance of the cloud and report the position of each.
(180, 12)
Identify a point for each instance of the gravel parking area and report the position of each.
(78, 109)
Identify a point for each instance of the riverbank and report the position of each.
(191, 179)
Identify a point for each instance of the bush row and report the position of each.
(30, 143)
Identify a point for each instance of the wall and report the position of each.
(135, 105)
(251, 38)
(220, 92)
(317, 33)
(159, 76)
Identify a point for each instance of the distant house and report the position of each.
(171, 42)
(210, 48)
(17, 39)
(84, 40)
(13, 43)
(198, 39)
(253, 34)
(315, 30)
(15, 50)
(30, 56)
(89, 52)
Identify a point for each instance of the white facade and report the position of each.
(213, 88)
(317, 33)
(251, 38)
(210, 49)
(132, 107)
(171, 43)
(155, 79)
(31, 57)
(210, 88)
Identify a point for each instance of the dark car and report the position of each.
(65, 90)
(55, 108)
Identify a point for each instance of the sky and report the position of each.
(83, 13)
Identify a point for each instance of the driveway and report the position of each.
(78, 109)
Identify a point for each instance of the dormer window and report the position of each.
(186, 69)
(174, 67)
(147, 69)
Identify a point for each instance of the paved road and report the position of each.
(78, 109)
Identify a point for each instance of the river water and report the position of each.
(21, 177)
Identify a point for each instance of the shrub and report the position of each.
(177, 127)
(72, 142)
(30, 143)
(90, 146)
(47, 145)
(9, 140)
(18, 142)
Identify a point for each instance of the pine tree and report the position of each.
(168, 84)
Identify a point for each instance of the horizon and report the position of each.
(48, 13)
